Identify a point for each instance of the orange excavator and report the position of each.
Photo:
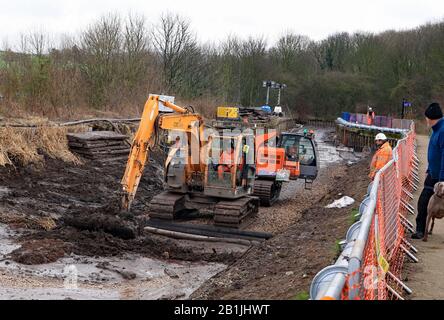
(280, 158)
(194, 181)
(270, 168)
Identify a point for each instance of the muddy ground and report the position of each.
(63, 209)
(63, 214)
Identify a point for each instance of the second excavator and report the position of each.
(280, 155)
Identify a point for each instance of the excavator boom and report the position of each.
(140, 147)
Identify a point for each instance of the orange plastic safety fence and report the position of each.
(383, 251)
(369, 291)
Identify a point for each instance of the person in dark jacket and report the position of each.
(435, 170)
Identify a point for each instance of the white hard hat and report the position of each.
(380, 136)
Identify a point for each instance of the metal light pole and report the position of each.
(277, 86)
(273, 85)
(268, 84)
(281, 86)
(403, 108)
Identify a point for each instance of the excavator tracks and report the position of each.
(165, 205)
(233, 213)
(226, 213)
(268, 191)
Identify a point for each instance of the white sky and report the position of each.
(214, 20)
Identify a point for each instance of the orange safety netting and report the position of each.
(383, 255)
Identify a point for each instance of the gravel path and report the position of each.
(426, 278)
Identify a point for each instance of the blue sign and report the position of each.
(407, 104)
(266, 109)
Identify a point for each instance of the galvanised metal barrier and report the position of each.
(370, 265)
(371, 127)
(360, 136)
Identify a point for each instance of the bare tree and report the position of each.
(135, 47)
(38, 43)
(102, 42)
(173, 41)
(135, 34)
(289, 47)
(332, 53)
(252, 54)
(230, 69)
(103, 39)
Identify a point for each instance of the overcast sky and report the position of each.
(214, 20)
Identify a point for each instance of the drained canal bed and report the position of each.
(42, 251)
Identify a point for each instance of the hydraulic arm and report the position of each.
(143, 139)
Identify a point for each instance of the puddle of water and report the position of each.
(154, 278)
(6, 245)
(151, 282)
(57, 294)
(329, 154)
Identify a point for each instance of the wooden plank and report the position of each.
(101, 143)
(111, 148)
(100, 153)
(95, 135)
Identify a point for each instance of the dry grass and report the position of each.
(14, 147)
(25, 146)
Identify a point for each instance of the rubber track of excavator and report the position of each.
(264, 190)
(233, 213)
(166, 204)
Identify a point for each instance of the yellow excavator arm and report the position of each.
(140, 147)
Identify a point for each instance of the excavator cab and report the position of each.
(176, 165)
(230, 171)
(301, 156)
